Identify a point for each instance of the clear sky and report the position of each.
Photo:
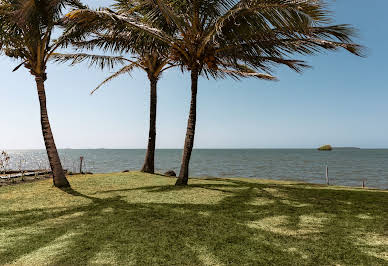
(342, 100)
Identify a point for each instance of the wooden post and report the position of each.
(80, 164)
(327, 175)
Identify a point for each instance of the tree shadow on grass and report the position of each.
(250, 224)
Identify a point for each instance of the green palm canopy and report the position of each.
(141, 51)
(221, 38)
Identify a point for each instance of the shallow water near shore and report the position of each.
(346, 167)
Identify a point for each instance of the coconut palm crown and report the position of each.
(238, 38)
(26, 28)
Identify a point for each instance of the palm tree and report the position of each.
(26, 28)
(237, 38)
(148, 54)
(151, 62)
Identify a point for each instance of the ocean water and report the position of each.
(347, 167)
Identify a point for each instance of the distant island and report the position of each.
(325, 148)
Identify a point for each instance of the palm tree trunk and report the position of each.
(149, 162)
(59, 177)
(190, 132)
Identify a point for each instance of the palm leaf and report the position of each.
(102, 61)
(99, 17)
(125, 70)
(236, 73)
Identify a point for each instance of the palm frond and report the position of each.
(125, 70)
(102, 61)
(18, 66)
(253, 74)
(26, 28)
(170, 15)
(99, 18)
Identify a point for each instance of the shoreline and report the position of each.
(44, 176)
(346, 168)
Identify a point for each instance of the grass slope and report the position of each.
(138, 219)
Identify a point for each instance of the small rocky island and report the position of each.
(325, 148)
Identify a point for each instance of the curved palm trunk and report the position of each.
(190, 132)
(149, 162)
(59, 177)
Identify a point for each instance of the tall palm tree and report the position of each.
(151, 62)
(106, 34)
(237, 38)
(26, 28)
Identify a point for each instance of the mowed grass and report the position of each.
(139, 219)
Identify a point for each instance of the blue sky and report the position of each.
(342, 100)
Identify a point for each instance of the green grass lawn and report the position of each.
(138, 219)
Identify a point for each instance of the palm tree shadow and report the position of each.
(75, 193)
(247, 226)
(237, 209)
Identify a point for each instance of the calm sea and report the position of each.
(346, 167)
